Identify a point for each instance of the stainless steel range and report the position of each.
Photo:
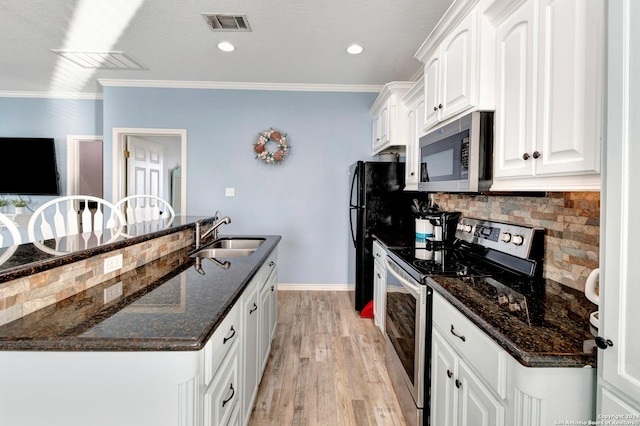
(502, 260)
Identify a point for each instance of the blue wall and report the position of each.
(304, 199)
(49, 118)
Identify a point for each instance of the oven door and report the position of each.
(406, 336)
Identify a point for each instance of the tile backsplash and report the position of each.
(571, 221)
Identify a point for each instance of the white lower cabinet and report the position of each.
(214, 386)
(250, 318)
(458, 396)
(476, 382)
(268, 314)
(224, 392)
(259, 318)
(379, 285)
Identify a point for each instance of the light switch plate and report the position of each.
(230, 192)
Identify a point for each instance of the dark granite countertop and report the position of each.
(177, 312)
(558, 333)
(28, 258)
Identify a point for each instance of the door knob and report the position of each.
(525, 156)
(602, 343)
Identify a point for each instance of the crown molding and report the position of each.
(51, 95)
(295, 87)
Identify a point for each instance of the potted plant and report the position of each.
(19, 204)
(3, 204)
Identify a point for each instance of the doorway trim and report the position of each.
(119, 165)
(73, 160)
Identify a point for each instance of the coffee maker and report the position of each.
(444, 225)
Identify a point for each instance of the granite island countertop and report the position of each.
(166, 305)
(558, 335)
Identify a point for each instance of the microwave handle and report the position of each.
(413, 288)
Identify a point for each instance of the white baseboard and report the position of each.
(315, 287)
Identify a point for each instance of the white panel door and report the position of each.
(619, 361)
(145, 174)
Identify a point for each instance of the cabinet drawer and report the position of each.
(379, 252)
(266, 268)
(219, 345)
(472, 344)
(223, 394)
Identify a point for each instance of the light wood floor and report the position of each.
(326, 366)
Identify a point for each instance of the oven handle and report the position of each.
(415, 289)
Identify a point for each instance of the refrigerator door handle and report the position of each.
(353, 235)
(353, 183)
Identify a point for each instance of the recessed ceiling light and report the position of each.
(354, 49)
(225, 46)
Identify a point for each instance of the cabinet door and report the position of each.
(443, 376)
(264, 325)
(570, 71)
(476, 405)
(379, 293)
(224, 392)
(515, 89)
(251, 346)
(431, 91)
(618, 368)
(411, 177)
(383, 125)
(458, 68)
(273, 300)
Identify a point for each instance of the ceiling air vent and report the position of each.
(224, 22)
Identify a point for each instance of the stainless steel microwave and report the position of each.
(458, 157)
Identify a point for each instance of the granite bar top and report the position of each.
(28, 258)
(557, 333)
(166, 305)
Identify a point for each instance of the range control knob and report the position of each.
(505, 237)
(517, 240)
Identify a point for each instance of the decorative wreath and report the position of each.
(271, 157)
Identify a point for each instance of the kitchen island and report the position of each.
(162, 343)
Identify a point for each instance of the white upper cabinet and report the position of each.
(414, 111)
(458, 64)
(549, 80)
(388, 117)
(450, 74)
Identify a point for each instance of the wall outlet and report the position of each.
(112, 263)
(230, 192)
(113, 292)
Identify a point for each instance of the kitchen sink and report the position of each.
(219, 253)
(237, 243)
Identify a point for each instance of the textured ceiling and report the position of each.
(291, 42)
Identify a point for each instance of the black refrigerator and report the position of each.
(378, 205)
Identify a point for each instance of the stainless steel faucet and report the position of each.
(214, 228)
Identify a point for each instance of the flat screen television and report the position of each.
(28, 166)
